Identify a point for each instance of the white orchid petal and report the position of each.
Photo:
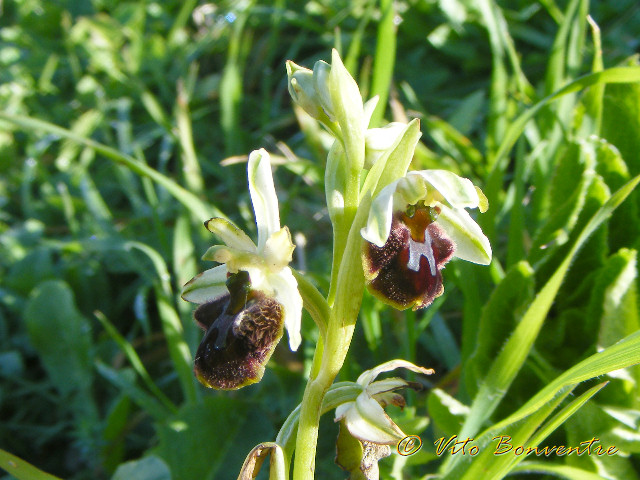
(263, 195)
(278, 249)
(368, 421)
(231, 235)
(369, 376)
(206, 286)
(380, 216)
(368, 108)
(471, 244)
(286, 291)
(381, 141)
(459, 192)
(342, 409)
(386, 385)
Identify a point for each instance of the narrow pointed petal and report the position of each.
(369, 376)
(287, 294)
(263, 195)
(230, 234)
(386, 385)
(471, 244)
(207, 286)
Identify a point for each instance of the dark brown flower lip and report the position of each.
(242, 330)
(405, 271)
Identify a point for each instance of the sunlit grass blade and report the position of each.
(522, 436)
(384, 60)
(22, 470)
(171, 325)
(191, 202)
(555, 470)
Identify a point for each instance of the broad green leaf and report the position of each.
(446, 412)
(592, 421)
(20, 469)
(148, 468)
(62, 337)
(624, 227)
(210, 439)
(621, 119)
(500, 315)
(570, 182)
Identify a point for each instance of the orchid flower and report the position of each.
(247, 300)
(365, 417)
(415, 226)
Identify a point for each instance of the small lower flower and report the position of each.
(364, 417)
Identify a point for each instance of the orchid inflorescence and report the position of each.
(400, 226)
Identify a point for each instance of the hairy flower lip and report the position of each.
(243, 328)
(405, 272)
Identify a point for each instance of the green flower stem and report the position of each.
(342, 319)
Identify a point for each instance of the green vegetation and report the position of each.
(124, 125)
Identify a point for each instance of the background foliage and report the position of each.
(100, 223)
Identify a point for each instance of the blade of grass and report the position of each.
(171, 325)
(384, 62)
(504, 464)
(509, 361)
(18, 468)
(135, 361)
(191, 202)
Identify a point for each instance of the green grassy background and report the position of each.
(124, 125)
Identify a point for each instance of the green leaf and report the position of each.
(22, 470)
(500, 315)
(148, 468)
(447, 413)
(210, 439)
(567, 194)
(515, 351)
(61, 335)
(621, 120)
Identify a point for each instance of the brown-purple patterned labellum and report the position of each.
(405, 271)
(242, 330)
